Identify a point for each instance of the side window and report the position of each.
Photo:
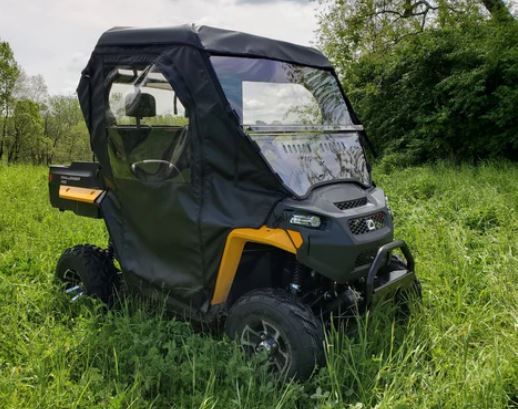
(147, 126)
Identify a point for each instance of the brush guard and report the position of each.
(393, 280)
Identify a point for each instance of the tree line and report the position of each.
(430, 79)
(36, 127)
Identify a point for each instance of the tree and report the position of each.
(66, 130)
(498, 9)
(359, 26)
(9, 72)
(31, 87)
(27, 142)
(40, 129)
(447, 88)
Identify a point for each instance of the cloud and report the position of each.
(63, 33)
(265, 2)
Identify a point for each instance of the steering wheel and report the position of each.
(154, 170)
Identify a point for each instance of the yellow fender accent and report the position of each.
(79, 194)
(287, 240)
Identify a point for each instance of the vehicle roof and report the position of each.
(216, 41)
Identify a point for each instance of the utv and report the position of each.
(230, 171)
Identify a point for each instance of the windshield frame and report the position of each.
(282, 129)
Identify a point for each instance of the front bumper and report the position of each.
(378, 286)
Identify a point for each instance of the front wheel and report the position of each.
(405, 297)
(273, 323)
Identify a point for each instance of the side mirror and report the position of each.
(154, 170)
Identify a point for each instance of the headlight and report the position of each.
(306, 220)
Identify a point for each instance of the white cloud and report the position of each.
(55, 37)
(270, 1)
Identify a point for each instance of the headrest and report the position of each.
(140, 105)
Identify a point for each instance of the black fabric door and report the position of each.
(152, 209)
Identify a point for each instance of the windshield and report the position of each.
(273, 93)
(298, 117)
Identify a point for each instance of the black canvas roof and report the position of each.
(215, 40)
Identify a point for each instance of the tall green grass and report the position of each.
(459, 350)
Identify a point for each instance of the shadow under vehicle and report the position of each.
(231, 174)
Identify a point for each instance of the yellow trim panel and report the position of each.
(287, 240)
(79, 194)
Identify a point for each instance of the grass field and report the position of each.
(459, 350)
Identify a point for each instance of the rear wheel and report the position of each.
(87, 270)
(274, 324)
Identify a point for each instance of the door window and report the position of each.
(147, 127)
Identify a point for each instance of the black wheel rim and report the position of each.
(263, 337)
(73, 287)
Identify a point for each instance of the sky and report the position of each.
(54, 38)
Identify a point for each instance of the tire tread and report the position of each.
(296, 310)
(98, 273)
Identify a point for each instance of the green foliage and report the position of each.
(27, 139)
(33, 127)
(66, 130)
(33, 88)
(459, 350)
(9, 73)
(450, 91)
(349, 29)
(41, 134)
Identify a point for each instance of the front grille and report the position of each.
(367, 224)
(365, 258)
(351, 204)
